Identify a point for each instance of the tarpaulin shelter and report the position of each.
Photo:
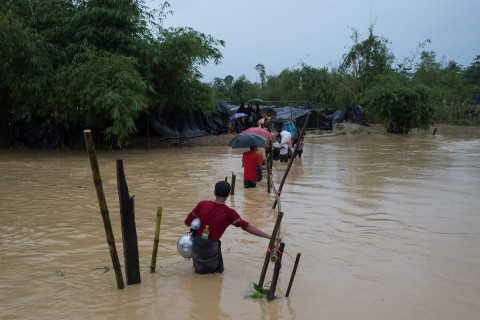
(299, 115)
(188, 124)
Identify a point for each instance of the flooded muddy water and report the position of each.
(388, 227)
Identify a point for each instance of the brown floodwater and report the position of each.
(388, 227)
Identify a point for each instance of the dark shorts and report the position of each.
(207, 255)
(249, 183)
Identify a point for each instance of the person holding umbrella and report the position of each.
(251, 116)
(252, 164)
(251, 160)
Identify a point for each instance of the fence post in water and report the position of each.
(434, 131)
(269, 166)
(274, 254)
(293, 274)
(270, 247)
(103, 207)
(156, 240)
(276, 272)
(270, 155)
(268, 178)
(295, 151)
(232, 185)
(129, 232)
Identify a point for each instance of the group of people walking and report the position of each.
(253, 115)
(214, 215)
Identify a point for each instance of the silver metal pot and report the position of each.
(184, 245)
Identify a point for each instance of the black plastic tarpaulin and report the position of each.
(188, 124)
(299, 116)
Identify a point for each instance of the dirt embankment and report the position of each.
(163, 142)
(224, 139)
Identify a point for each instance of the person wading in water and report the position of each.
(207, 253)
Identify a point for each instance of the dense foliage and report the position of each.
(102, 64)
(99, 64)
(399, 104)
(413, 94)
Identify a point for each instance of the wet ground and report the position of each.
(387, 227)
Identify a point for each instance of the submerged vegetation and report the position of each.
(103, 64)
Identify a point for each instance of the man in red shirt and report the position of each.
(249, 162)
(207, 253)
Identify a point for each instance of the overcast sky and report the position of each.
(282, 34)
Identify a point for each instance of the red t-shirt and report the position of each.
(217, 216)
(249, 159)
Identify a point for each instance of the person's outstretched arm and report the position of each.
(259, 233)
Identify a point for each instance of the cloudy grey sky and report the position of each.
(282, 34)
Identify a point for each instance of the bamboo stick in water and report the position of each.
(295, 151)
(156, 240)
(294, 271)
(270, 247)
(103, 207)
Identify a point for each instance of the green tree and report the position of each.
(398, 104)
(366, 60)
(448, 90)
(472, 72)
(262, 74)
(223, 89)
(25, 67)
(235, 90)
(244, 90)
(99, 63)
(177, 57)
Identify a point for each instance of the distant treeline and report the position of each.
(68, 65)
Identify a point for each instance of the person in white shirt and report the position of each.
(286, 139)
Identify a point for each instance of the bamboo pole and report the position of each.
(290, 162)
(103, 207)
(276, 272)
(277, 197)
(274, 255)
(269, 181)
(270, 155)
(270, 246)
(156, 240)
(232, 186)
(269, 166)
(294, 271)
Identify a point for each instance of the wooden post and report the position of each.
(294, 271)
(232, 185)
(156, 240)
(269, 166)
(435, 131)
(268, 178)
(129, 232)
(295, 151)
(270, 247)
(274, 254)
(271, 154)
(103, 207)
(276, 272)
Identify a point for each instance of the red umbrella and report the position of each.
(257, 130)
